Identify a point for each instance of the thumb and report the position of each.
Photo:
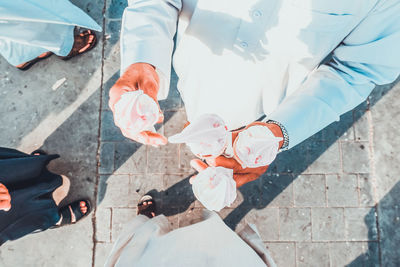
(198, 165)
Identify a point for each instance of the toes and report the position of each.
(83, 207)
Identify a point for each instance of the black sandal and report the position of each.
(148, 209)
(65, 212)
(84, 36)
(29, 64)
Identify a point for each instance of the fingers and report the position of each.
(222, 161)
(198, 165)
(151, 138)
(117, 91)
(5, 197)
(243, 178)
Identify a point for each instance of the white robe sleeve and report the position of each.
(147, 32)
(368, 56)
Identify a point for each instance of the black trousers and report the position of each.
(31, 186)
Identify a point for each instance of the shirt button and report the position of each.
(244, 44)
(257, 14)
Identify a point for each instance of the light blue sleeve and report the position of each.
(147, 32)
(370, 55)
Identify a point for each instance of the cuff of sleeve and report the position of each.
(296, 115)
(154, 53)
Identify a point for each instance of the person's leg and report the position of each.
(33, 39)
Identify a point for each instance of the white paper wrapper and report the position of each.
(215, 188)
(136, 112)
(256, 146)
(205, 136)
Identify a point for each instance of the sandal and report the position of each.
(148, 209)
(27, 65)
(81, 44)
(75, 208)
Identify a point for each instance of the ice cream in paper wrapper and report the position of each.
(205, 136)
(136, 112)
(256, 146)
(215, 188)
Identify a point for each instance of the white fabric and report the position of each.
(242, 59)
(256, 146)
(136, 112)
(147, 242)
(205, 136)
(31, 27)
(215, 188)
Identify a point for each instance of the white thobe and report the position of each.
(242, 59)
(209, 243)
(29, 28)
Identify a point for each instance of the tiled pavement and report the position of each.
(331, 201)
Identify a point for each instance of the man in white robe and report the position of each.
(29, 28)
(210, 243)
(300, 63)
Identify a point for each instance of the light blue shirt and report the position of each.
(242, 59)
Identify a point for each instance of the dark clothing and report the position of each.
(30, 185)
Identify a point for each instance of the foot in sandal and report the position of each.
(147, 206)
(73, 212)
(83, 42)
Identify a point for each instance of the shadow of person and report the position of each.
(384, 252)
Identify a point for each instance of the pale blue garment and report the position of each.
(30, 27)
(242, 59)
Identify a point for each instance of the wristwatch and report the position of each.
(285, 145)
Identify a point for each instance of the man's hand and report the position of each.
(240, 175)
(5, 198)
(144, 77)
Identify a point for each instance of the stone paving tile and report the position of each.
(226, 215)
(328, 224)
(309, 191)
(185, 156)
(267, 222)
(49, 248)
(355, 254)
(251, 195)
(115, 9)
(109, 132)
(360, 224)
(115, 191)
(283, 253)
(120, 216)
(103, 250)
(389, 225)
(276, 190)
(164, 159)
(294, 224)
(326, 158)
(355, 157)
(103, 224)
(106, 158)
(361, 126)
(177, 192)
(130, 158)
(342, 190)
(312, 254)
(144, 183)
(366, 194)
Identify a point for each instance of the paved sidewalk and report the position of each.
(331, 201)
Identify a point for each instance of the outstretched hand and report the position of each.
(5, 198)
(240, 175)
(144, 77)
